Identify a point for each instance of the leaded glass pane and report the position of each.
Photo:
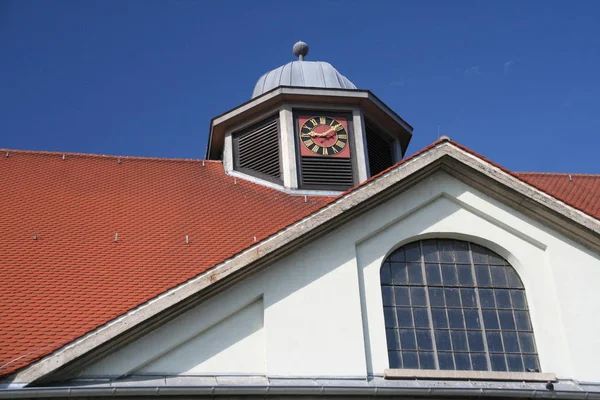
(451, 304)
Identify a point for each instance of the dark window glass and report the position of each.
(511, 343)
(472, 319)
(455, 319)
(404, 316)
(421, 318)
(465, 277)
(446, 251)
(436, 297)
(483, 275)
(449, 274)
(446, 360)
(415, 274)
(487, 298)
(399, 275)
(440, 320)
(427, 360)
(402, 295)
(479, 362)
(386, 275)
(448, 302)
(417, 294)
(498, 362)
(424, 340)
(433, 274)
(442, 340)
(430, 253)
(475, 341)
(395, 360)
(463, 361)
(388, 296)
(515, 362)
(452, 297)
(392, 339)
(413, 252)
(461, 251)
(407, 339)
(390, 317)
(411, 359)
(459, 340)
(468, 298)
(498, 276)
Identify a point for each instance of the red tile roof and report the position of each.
(577, 190)
(74, 277)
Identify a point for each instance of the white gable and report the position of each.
(320, 310)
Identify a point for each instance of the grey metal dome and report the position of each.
(317, 74)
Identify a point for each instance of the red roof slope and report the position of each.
(75, 277)
(577, 190)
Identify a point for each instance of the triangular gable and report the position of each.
(457, 161)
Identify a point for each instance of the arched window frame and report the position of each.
(412, 308)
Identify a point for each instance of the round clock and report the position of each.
(324, 136)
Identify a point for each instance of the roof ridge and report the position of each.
(67, 153)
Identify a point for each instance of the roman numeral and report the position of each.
(307, 143)
(314, 122)
(338, 127)
(305, 134)
(315, 149)
(322, 120)
(325, 152)
(342, 136)
(340, 144)
(335, 149)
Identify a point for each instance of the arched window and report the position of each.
(454, 305)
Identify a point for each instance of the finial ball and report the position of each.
(300, 49)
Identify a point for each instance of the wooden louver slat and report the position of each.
(326, 173)
(256, 150)
(379, 148)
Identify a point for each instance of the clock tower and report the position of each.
(308, 130)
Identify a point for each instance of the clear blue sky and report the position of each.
(518, 81)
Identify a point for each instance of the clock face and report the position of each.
(323, 136)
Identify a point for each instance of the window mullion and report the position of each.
(480, 309)
(429, 313)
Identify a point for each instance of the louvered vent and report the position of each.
(256, 150)
(379, 148)
(326, 173)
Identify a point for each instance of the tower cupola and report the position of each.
(307, 128)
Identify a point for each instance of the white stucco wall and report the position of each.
(321, 306)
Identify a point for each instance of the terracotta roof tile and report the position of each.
(578, 190)
(75, 277)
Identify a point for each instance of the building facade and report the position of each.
(307, 255)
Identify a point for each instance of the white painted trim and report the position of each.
(360, 145)
(297, 233)
(228, 152)
(288, 147)
(293, 192)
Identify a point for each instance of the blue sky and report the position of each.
(517, 81)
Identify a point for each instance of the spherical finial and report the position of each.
(300, 50)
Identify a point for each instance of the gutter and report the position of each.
(285, 390)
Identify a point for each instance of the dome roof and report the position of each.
(317, 74)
